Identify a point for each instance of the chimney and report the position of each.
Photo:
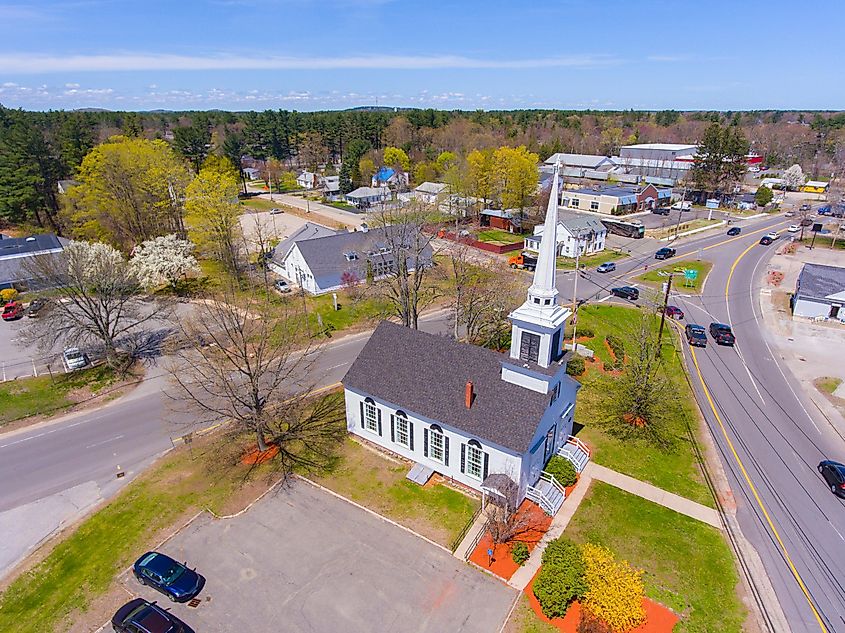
(469, 395)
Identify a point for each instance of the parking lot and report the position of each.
(657, 221)
(302, 560)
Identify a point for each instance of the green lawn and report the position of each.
(524, 620)
(83, 566)
(679, 283)
(342, 205)
(688, 565)
(435, 511)
(499, 236)
(828, 384)
(684, 226)
(353, 311)
(590, 261)
(45, 394)
(676, 469)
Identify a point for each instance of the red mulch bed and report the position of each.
(259, 457)
(502, 564)
(659, 619)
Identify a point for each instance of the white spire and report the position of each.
(544, 275)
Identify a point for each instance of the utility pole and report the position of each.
(575, 292)
(665, 305)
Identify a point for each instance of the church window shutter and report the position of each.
(362, 414)
(486, 464)
(425, 442)
(463, 457)
(378, 412)
(392, 428)
(411, 435)
(446, 450)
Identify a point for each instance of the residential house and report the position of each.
(486, 420)
(508, 220)
(330, 261)
(364, 197)
(331, 187)
(616, 199)
(252, 173)
(389, 177)
(820, 293)
(15, 252)
(308, 180)
(430, 192)
(278, 262)
(577, 233)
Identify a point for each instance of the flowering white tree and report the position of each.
(165, 259)
(794, 177)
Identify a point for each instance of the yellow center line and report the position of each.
(745, 474)
(717, 244)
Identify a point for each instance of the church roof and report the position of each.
(427, 374)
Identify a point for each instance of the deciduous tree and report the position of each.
(794, 177)
(164, 260)
(517, 175)
(396, 158)
(129, 191)
(213, 214)
(480, 174)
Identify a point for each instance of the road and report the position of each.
(51, 473)
(769, 435)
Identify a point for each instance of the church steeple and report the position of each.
(537, 325)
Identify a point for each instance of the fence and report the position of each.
(30, 367)
(484, 246)
(460, 537)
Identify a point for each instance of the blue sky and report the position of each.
(334, 54)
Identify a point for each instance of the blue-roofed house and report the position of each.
(389, 177)
(617, 199)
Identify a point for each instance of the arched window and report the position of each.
(371, 415)
(402, 430)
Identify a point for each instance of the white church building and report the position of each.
(487, 420)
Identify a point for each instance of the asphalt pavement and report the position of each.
(55, 471)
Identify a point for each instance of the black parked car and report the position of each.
(35, 307)
(140, 616)
(164, 574)
(665, 253)
(661, 211)
(626, 292)
(834, 475)
(734, 230)
(696, 335)
(766, 240)
(722, 334)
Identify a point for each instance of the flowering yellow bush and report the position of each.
(615, 593)
(8, 294)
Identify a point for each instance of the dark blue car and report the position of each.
(173, 579)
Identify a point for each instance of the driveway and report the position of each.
(302, 560)
(279, 225)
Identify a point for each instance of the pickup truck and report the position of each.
(523, 260)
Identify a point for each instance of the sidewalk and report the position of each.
(642, 489)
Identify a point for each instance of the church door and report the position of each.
(529, 347)
(550, 444)
(556, 345)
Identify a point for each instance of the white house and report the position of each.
(487, 420)
(329, 260)
(820, 293)
(331, 187)
(575, 232)
(308, 180)
(363, 197)
(429, 192)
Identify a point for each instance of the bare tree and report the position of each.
(249, 362)
(405, 260)
(100, 302)
(504, 521)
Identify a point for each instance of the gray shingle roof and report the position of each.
(427, 374)
(17, 246)
(307, 231)
(819, 281)
(327, 255)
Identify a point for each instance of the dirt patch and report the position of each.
(826, 386)
(659, 619)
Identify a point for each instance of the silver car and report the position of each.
(72, 359)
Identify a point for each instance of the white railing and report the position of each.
(537, 496)
(554, 482)
(575, 441)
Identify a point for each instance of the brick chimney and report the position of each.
(469, 394)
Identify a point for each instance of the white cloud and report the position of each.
(18, 63)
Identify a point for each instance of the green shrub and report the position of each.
(616, 346)
(585, 332)
(561, 578)
(562, 551)
(563, 470)
(575, 366)
(519, 552)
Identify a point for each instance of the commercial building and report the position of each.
(616, 199)
(820, 293)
